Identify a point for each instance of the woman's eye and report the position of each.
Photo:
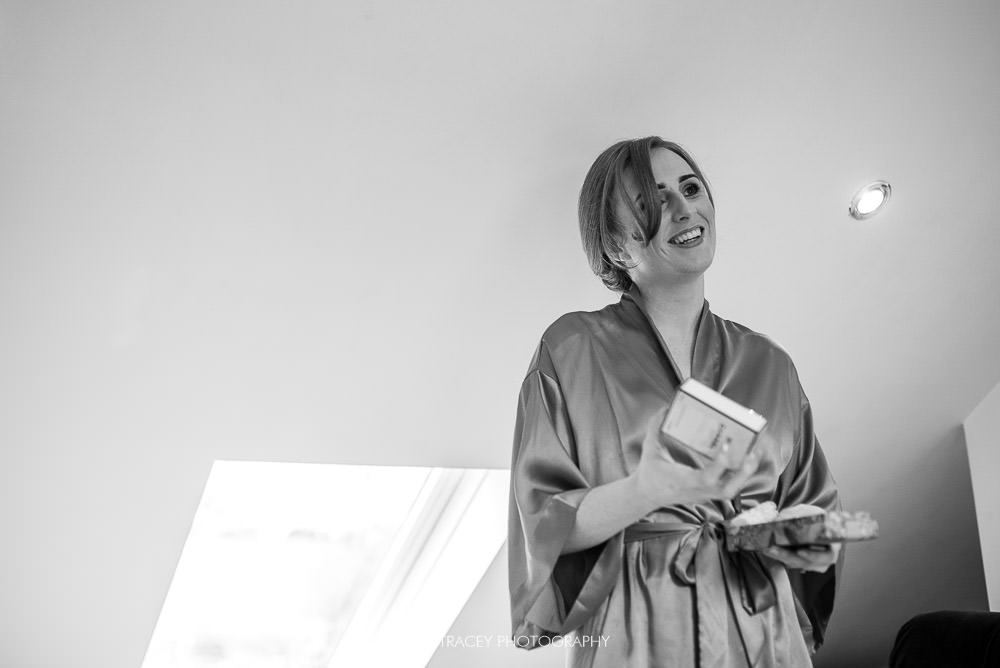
(690, 190)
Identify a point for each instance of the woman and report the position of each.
(612, 544)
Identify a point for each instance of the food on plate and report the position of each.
(764, 525)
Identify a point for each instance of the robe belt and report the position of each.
(702, 553)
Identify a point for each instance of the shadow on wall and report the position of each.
(936, 566)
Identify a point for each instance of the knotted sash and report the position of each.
(703, 562)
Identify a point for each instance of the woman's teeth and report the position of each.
(687, 237)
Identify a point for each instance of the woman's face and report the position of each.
(686, 212)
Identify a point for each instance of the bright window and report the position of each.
(311, 566)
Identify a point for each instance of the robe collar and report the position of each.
(704, 362)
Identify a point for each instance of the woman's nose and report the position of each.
(680, 208)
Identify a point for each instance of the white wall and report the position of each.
(982, 435)
(333, 232)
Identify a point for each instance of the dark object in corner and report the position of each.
(948, 639)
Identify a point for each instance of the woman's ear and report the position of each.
(621, 257)
(628, 240)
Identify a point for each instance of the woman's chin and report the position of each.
(692, 264)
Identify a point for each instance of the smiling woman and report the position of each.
(609, 537)
(621, 203)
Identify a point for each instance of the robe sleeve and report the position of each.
(551, 594)
(807, 479)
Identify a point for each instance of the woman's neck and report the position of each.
(674, 308)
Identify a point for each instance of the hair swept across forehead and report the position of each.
(602, 234)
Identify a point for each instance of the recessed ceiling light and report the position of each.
(870, 200)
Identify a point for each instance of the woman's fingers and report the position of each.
(664, 449)
(713, 480)
(748, 468)
(733, 481)
(834, 552)
(716, 469)
(812, 558)
(786, 556)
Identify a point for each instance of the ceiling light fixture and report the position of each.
(870, 200)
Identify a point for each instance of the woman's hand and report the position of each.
(666, 482)
(815, 558)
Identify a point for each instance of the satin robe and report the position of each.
(664, 591)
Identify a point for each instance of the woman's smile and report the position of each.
(688, 238)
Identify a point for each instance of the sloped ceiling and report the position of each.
(333, 232)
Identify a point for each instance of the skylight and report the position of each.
(321, 565)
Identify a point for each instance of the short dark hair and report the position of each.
(602, 234)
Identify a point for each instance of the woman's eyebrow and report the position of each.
(664, 185)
